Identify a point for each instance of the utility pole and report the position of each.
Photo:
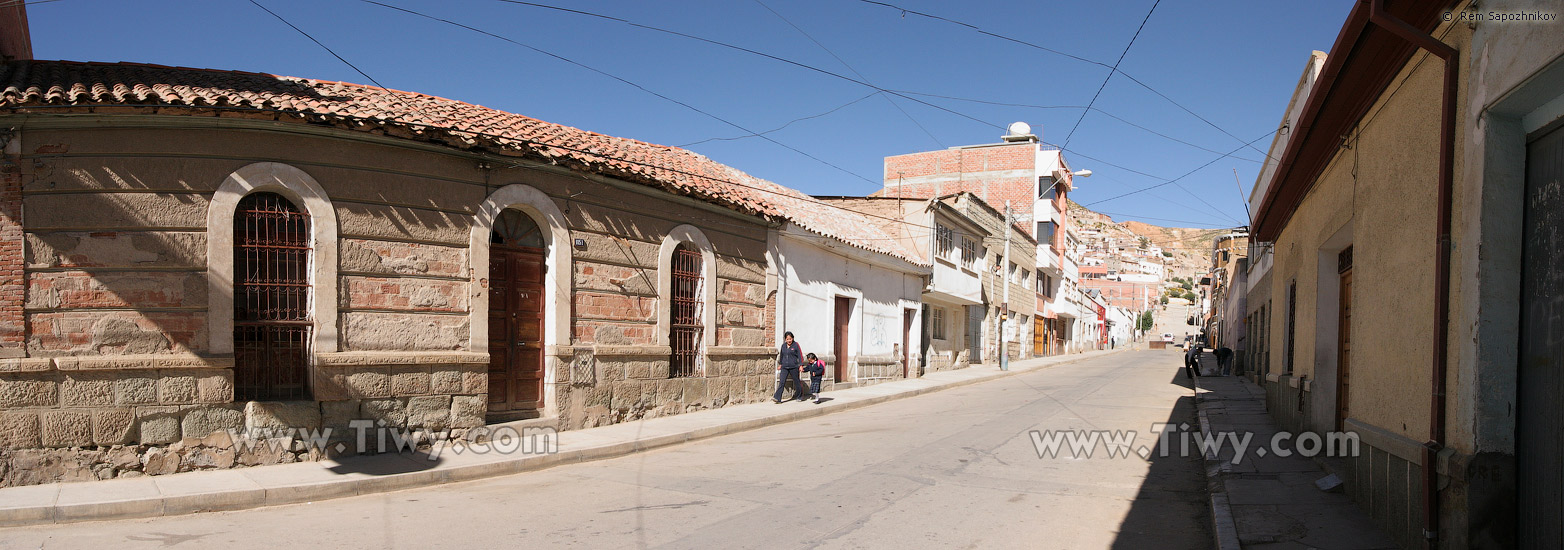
(1004, 311)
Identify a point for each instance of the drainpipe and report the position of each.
(1441, 358)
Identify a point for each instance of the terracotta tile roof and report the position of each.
(39, 86)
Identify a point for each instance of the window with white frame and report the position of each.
(969, 253)
(937, 323)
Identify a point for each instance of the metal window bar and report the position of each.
(271, 300)
(686, 330)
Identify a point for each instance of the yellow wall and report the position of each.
(1383, 183)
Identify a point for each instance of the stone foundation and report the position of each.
(101, 417)
(632, 383)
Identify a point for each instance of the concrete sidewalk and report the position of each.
(242, 488)
(1264, 500)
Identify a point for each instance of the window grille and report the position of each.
(686, 330)
(272, 325)
(969, 253)
(944, 241)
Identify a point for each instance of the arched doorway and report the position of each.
(517, 267)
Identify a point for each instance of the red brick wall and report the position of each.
(12, 289)
(977, 171)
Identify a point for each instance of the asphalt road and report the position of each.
(951, 469)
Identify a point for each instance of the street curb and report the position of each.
(258, 496)
(1225, 528)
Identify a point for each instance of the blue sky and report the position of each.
(1232, 63)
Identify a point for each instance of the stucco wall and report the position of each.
(817, 273)
(1381, 188)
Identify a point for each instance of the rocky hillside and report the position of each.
(1191, 247)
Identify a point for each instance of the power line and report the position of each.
(789, 123)
(318, 43)
(334, 54)
(855, 71)
(1033, 45)
(800, 65)
(15, 3)
(1169, 199)
(1186, 174)
(557, 146)
(1093, 109)
(627, 82)
(1111, 71)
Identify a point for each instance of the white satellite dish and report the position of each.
(1020, 128)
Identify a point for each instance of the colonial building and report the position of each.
(192, 251)
(1413, 222)
(851, 291)
(952, 244)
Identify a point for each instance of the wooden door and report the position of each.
(844, 313)
(515, 330)
(907, 317)
(1039, 336)
(1344, 346)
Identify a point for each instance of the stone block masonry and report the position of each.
(100, 417)
(633, 383)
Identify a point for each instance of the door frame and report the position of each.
(841, 334)
(556, 280)
(1344, 344)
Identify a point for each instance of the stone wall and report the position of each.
(113, 372)
(633, 383)
(98, 417)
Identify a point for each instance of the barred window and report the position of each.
(944, 245)
(272, 325)
(686, 330)
(969, 253)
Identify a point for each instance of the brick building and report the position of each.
(1035, 181)
(185, 252)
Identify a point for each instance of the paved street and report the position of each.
(953, 469)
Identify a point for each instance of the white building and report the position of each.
(940, 236)
(858, 309)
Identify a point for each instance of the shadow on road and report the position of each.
(1171, 509)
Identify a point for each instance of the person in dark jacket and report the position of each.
(788, 360)
(1191, 361)
(1224, 360)
(816, 369)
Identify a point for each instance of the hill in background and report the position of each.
(1191, 247)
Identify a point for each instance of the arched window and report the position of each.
(514, 228)
(271, 299)
(685, 329)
